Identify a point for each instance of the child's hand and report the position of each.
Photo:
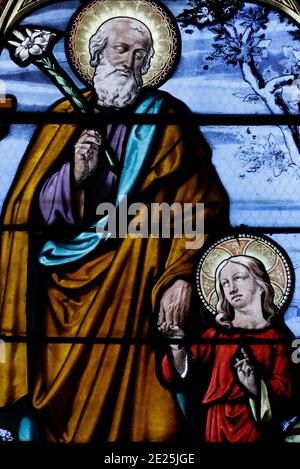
(246, 372)
(169, 331)
(179, 353)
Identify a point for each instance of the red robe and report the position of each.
(229, 416)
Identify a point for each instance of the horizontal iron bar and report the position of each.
(88, 120)
(140, 340)
(72, 230)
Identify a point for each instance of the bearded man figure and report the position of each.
(121, 52)
(113, 288)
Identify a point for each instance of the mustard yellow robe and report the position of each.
(107, 392)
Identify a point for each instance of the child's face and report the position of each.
(240, 288)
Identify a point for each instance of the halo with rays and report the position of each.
(165, 34)
(274, 258)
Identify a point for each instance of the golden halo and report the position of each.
(165, 34)
(274, 259)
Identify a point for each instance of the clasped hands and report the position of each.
(174, 308)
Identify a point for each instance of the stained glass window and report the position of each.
(140, 110)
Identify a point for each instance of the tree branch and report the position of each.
(231, 31)
(279, 82)
(248, 32)
(255, 81)
(186, 22)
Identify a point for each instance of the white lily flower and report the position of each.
(33, 46)
(34, 43)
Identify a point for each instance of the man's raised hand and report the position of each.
(87, 149)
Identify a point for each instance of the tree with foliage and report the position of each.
(209, 12)
(240, 41)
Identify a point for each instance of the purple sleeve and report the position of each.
(55, 199)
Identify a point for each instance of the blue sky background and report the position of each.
(257, 198)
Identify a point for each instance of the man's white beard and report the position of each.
(114, 89)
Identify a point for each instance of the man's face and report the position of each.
(118, 79)
(126, 49)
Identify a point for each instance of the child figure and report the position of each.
(250, 385)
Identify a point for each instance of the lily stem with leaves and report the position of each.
(56, 73)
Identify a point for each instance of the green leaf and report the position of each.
(60, 80)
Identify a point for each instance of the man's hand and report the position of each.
(175, 304)
(86, 158)
(246, 372)
(179, 352)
